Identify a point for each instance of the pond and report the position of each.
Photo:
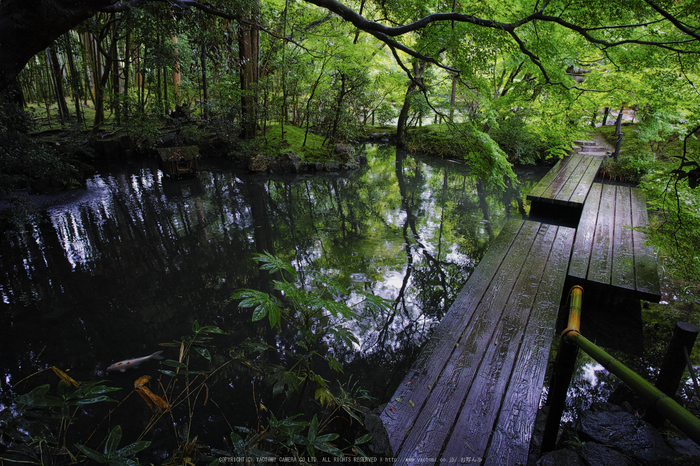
(109, 272)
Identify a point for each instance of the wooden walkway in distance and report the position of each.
(564, 188)
(473, 394)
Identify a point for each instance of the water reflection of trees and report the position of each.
(136, 258)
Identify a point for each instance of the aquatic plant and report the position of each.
(34, 427)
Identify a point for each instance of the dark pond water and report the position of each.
(110, 271)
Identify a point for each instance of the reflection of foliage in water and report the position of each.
(135, 257)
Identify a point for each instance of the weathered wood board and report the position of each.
(474, 390)
(608, 250)
(568, 182)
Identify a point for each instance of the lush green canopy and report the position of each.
(530, 75)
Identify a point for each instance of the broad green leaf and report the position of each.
(261, 303)
(39, 397)
(330, 449)
(92, 454)
(113, 439)
(173, 363)
(338, 309)
(273, 264)
(134, 448)
(203, 352)
(334, 364)
(212, 329)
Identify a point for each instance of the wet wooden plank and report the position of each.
(549, 189)
(583, 245)
(623, 273)
(512, 433)
(582, 190)
(574, 181)
(473, 356)
(646, 273)
(538, 190)
(401, 411)
(442, 404)
(608, 250)
(600, 267)
(504, 394)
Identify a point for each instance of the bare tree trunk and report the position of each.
(418, 70)
(249, 47)
(205, 92)
(57, 75)
(176, 75)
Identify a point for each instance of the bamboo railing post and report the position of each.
(556, 398)
(563, 371)
(673, 365)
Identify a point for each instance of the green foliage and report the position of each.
(23, 162)
(315, 312)
(84, 394)
(465, 142)
(142, 126)
(32, 421)
(313, 308)
(112, 456)
(676, 222)
(274, 143)
(516, 139)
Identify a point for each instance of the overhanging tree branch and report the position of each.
(26, 28)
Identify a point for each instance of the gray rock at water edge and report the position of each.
(345, 153)
(685, 446)
(561, 458)
(289, 162)
(600, 455)
(331, 166)
(379, 445)
(607, 424)
(259, 163)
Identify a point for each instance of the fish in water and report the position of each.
(121, 366)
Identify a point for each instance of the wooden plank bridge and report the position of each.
(472, 395)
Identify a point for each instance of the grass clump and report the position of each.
(308, 146)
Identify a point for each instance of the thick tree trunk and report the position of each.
(249, 47)
(205, 91)
(176, 74)
(73, 77)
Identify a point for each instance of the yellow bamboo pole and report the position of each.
(665, 405)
